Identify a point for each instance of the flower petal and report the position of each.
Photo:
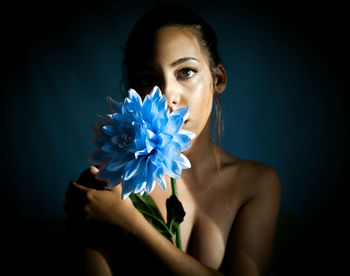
(187, 132)
(183, 140)
(114, 106)
(172, 151)
(160, 120)
(132, 104)
(159, 101)
(99, 157)
(157, 157)
(183, 112)
(127, 188)
(116, 164)
(97, 128)
(141, 152)
(149, 145)
(100, 141)
(173, 169)
(135, 98)
(147, 105)
(163, 139)
(161, 182)
(109, 130)
(117, 117)
(140, 187)
(158, 175)
(115, 177)
(183, 162)
(150, 187)
(131, 168)
(109, 148)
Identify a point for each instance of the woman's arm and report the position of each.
(177, 261)
(96, 263)
(107, 206)
(251, 242)
(250, 245)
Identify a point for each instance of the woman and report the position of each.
(231, 204)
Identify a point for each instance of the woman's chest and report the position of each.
(207, 223)
(207, 230)
(210, 214)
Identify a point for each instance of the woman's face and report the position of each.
(181, 69)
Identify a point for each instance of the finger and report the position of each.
(81, 187)
(94, 170)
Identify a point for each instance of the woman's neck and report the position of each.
(201, 155)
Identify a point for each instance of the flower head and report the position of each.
(140, 142)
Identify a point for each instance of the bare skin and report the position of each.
(231, 211)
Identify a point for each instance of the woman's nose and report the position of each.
(172, 94)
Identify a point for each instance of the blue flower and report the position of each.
(140, 142)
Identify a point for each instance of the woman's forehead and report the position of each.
(172, 43)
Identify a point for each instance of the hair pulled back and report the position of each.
(140, 43)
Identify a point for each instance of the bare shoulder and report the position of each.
(259, 175)
(255, 178)
(252, 237)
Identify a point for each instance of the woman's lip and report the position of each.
(185, 122)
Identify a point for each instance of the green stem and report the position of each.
(178, 233)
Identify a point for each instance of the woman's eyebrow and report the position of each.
(181, 60)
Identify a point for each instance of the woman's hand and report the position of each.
(101, 204)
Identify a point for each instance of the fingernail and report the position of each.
(93, 169)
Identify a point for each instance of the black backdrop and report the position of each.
(285, 104)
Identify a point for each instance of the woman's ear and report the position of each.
(220, 78)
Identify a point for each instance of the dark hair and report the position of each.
(140, 43)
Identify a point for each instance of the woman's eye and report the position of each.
(146, 80)
(187, 73)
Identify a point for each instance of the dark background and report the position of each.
(285, 105)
